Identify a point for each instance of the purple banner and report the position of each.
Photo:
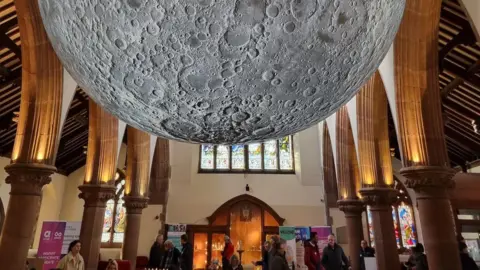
(51, 241)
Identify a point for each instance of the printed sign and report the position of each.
(174, 233)
(54, 240)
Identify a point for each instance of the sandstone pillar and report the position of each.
(136, 189)
(99, 183)
(349, 185)
(159, 179)
(134, 206)
(420, 129)
(376, 169)
(380, 201)
(36, 141)
(353, 210)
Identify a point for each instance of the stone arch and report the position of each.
(373, 134)
(348, 176)
(245, 198)
(329, 174)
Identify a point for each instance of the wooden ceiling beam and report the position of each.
(8, 43)
(461, 75)
(466, 37)
(14, 77)
(464, 140)
(73, 136)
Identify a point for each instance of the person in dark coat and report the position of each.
(365, 251)
(312, 254)
(186, 256)
(264, 262)
(418, 259)
(271, 253)
(171, 258)
(156, 253)
(333, 257)
(467, 262)
(278, 260)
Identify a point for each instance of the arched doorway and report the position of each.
(246, 219)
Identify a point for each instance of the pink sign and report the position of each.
(51, 242)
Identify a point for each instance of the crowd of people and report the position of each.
(164, 255)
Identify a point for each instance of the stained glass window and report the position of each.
(405, 215)
(403, 220)
(255, 156)
(370, 226)
(223, 157)
(115, 215)
(238, 157)
(207, 157)
(268, 157)
(286, 155)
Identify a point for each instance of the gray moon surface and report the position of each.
(221, 71)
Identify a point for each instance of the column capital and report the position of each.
(378, 197)
(135, 205)
(428, 177)
(96, 195)
(28, 179)
(351, 207)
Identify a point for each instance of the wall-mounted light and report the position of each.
(84, 150)
(475, 125)
(15, 117)
(392, 152)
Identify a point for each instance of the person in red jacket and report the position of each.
(312, 254)
(227, 252)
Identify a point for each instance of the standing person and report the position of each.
(312, 254)
(171, 258)
(264, 262)
(419, 258)
(73, 260)
(365, 251)
(227, 252)
(278, 260)
(273, 240)
(156, 253)
(333, 257)
(186, 256)
(234, 263)
(467, 262)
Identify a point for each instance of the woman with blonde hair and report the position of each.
(112, 265)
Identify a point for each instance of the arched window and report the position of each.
(403, 220)
(114, 219)
(275, 156)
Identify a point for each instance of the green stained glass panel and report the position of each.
(255, 156)
(270, 155)
(286, 153)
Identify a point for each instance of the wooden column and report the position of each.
(136, 189)
(36, 142)
(420, 130)
(349, 185)
(99, 184)
(376, 169)
(159, 179)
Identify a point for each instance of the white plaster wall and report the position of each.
(474, 169)
(296, 197)
(52, 202)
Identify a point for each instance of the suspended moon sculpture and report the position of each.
(221, 71)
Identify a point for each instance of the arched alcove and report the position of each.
(246, 219)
